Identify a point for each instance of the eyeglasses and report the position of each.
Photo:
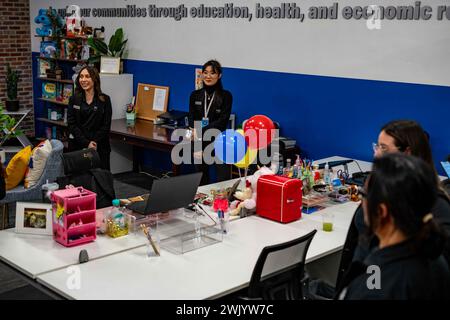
(211, 74)
(376, 147)
(383, 148)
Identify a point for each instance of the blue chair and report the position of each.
(53, 169)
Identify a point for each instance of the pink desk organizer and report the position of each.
(73, 216)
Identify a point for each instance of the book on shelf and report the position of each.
(67, 92)
(49, 90)
(48, 49)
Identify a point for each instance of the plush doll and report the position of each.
(51, 22)
(247, 198)
(46, 29)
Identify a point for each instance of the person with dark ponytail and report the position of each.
(211, 108)
(89, 116)
(407, 262)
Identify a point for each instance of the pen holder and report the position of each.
(130, 116)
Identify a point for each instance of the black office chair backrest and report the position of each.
(280, 269)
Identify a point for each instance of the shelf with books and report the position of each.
(61, 103)
(81, 37)
(64, 60)
(59, 123)
(69, 81)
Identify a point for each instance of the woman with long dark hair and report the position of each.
(210, 107)
(407, 262)
(89, 116)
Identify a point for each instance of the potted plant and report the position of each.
(114, 49)
(12, 77)
(7, 130)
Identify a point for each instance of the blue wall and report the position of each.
(326, 115)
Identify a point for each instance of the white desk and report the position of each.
(119, 268)
(205, 273)
(37, 254)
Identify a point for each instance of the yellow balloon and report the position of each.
(248, 159)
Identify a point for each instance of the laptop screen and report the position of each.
(446, 166)
(172, 193)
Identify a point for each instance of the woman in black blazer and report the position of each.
(89, 116)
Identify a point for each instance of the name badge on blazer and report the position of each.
(218, 110)
(76, 107)
(198, 103)
(95, 108)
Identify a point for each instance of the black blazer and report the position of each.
(89, 122)
(218, 115)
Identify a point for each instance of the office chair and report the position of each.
(271, 280)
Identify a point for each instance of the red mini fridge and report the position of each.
(279, 198)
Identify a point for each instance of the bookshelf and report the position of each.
(59, 123)
(56, 80)
(54, 101)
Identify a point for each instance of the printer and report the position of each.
(173, 119)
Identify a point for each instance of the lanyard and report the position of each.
(210, 103)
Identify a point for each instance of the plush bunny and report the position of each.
(247, 198)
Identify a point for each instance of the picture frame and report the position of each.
(34, 218)
(109, 65)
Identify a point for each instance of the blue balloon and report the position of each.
(230, 146)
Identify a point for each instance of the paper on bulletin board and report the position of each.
(159, 99)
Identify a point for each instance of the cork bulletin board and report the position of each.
(151, 101)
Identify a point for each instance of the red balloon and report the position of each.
(259, 131)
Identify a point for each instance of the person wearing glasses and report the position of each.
(407, 263)
(399, 136)
(210, 107)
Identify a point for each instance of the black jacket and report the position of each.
(89, 122)
(359, 243)
(218, 115)
(404, 275)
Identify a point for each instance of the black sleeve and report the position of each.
(222, 121)
(104, 130)
(73, 124)
(191, 110)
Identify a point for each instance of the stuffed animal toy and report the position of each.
(51, 22)
(46, 29)
(76, 70)
(246, 201)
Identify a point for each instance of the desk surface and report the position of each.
(143, 130)
(209, 272)
(36, 254)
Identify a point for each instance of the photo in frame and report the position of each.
(34, 218)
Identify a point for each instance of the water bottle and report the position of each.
(326, 174)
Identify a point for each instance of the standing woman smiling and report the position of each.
(212, 107)
(89, 116)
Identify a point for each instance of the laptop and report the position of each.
(169, 194)
(446, 166)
